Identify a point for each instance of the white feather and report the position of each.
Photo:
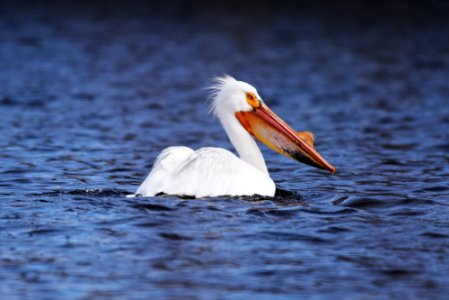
(207, 172)
(210, 172)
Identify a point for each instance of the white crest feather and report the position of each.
(220, 82)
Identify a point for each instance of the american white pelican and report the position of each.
(209, 172)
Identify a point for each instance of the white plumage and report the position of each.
(206, 172)
(209, 172)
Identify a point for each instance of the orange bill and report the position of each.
(271, 130)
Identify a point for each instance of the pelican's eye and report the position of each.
(252, 100)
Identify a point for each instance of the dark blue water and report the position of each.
(90, 94)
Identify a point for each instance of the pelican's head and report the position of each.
(240, 100)
(230, 96)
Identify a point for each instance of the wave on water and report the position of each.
(85, 192)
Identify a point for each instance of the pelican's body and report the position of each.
(209, 172)
(206, 172)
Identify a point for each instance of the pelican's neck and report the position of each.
(244, 143)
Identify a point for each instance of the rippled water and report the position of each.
(89, 95)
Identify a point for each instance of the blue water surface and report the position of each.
(91, 93)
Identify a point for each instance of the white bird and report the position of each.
(210, 172)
